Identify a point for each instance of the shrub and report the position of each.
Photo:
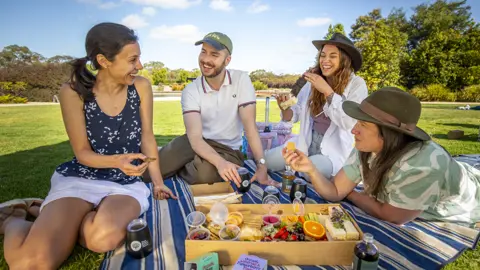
(41, 95)
(258, 85)
(12, 99)
(13, 87)
(433, 92)
(470, 93)
(37, 75)
(178, 87)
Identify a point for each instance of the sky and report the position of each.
(275, 35)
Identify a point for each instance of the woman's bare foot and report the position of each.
(34, 211)
(33, 206)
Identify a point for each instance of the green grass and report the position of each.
(33, 142)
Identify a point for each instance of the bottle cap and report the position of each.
(367, 237)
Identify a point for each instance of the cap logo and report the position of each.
(213, 35)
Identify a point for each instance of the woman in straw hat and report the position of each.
(405, 174)
(324, 128)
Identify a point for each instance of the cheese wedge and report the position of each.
(322, 219)
(336, 233)
(352, 233)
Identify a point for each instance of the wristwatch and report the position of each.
(261, 161)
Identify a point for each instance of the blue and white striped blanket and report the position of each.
(416, 245)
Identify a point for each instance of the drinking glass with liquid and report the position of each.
(245, 180)
(139, 241)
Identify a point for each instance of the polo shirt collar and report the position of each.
(226, 81)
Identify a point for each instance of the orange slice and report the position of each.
(313, 229)
(291, 146)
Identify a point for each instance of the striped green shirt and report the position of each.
(427, 178)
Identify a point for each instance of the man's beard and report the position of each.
(216, 71)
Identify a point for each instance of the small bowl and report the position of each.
(271, 219)
(193, 234)
(233, 229)
(235, 218)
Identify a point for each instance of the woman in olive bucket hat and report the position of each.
(405, 174)
(324, 127)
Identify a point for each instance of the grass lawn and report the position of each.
(33, 142)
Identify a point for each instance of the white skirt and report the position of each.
(94, 191)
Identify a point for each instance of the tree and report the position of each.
(383, 47)
(159, 76)
(443, 46)
(337, 28)
(183, 76)
(153, 65)
(15, 54)
(58, 59)
(440, 16)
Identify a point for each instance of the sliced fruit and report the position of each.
(301, 219)
(314, 229)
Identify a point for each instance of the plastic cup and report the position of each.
(229, 233)
(219, 213)
(199, 234)
(196, 219)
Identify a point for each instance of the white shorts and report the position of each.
(94, 191)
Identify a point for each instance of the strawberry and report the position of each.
(294, 237)
(280, 233)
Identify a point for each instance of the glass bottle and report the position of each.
(366, 254)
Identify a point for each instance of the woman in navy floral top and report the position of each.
(108, 119)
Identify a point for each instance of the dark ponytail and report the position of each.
(107, 39)
(82, 80)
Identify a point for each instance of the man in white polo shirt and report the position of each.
(216, 107)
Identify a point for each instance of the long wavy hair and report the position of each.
(338, 81)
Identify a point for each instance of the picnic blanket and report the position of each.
(416, 245)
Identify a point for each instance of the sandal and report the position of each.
(13, 208)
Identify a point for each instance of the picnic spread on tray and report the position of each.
(274, 230)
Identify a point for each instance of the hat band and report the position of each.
(384, 117)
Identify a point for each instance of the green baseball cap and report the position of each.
(218, 40)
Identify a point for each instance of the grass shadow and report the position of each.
(27, 174)
(465, 138)
(474, 126)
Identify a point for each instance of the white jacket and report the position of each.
(338, 140)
